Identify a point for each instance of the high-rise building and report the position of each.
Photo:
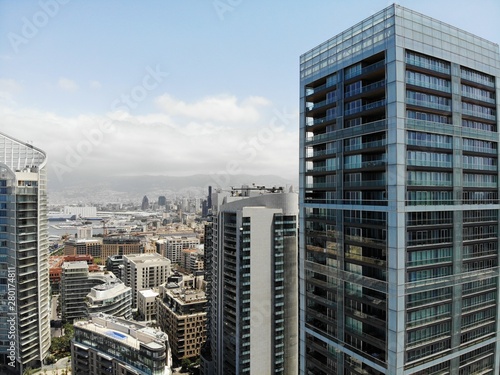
(254, 301)
(145, 203)
(399, 200)
(104, 344)
(24, 256)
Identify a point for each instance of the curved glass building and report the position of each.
(24, 252)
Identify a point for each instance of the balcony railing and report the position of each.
(486, 116)
(429, 85)
(367, 183)
(366, 88)
(436, 68)
(366, 69)
(366, 107)
(365, 164)
(427, 104)
(482, 98)
(361, 146)
(322, 120)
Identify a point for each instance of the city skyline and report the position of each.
(82, 81)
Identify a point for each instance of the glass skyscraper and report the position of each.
(399, 200)
(24, 252)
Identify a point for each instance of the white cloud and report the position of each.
(159, 143)
(221, 108)
(66, 84)
(8, 88)
(95, 85)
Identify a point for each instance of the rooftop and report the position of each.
(121, 330)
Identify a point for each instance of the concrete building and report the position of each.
(254, 300)
(171, 247)
(90, 212)
(146, 304)
(399, 199)
(79, 246)
(105, 344)
(113, 264)
(55, 268)
(24, 257)
(145, 203)
(112, 297)
(122, 245)
(192, 260)
(84, 232)
(145, 271)
(182, 315)
(76, 284)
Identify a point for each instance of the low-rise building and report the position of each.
(104, 344)
(122, 245)
(112, 298)
(83, 247)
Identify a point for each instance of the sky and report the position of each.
(174, 87)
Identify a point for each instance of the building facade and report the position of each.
(182, 315)
(121, 245)
(399, 200)
(107, 345)
(111, 298)
(254, 284)
(77, 298)
(24, 257)
(171, 247)
(145, 271)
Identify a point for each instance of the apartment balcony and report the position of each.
(433, 67)
(477, 79)
(480, 150)
(366, 145)
(319, 89)
(366, 107)
(368, 336)
(321, 185)
(366, 164)
(371, 88)
(364, 298)
(481, 98)
(479, 114)
(428, 320)
(359, 259)
(367, 69)
(428, 144)
(319, 154)
(429, 183)
(361, 316)
(368, 183)
(428, 85)
(369, 127)
(320, 121)
(428, 104)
